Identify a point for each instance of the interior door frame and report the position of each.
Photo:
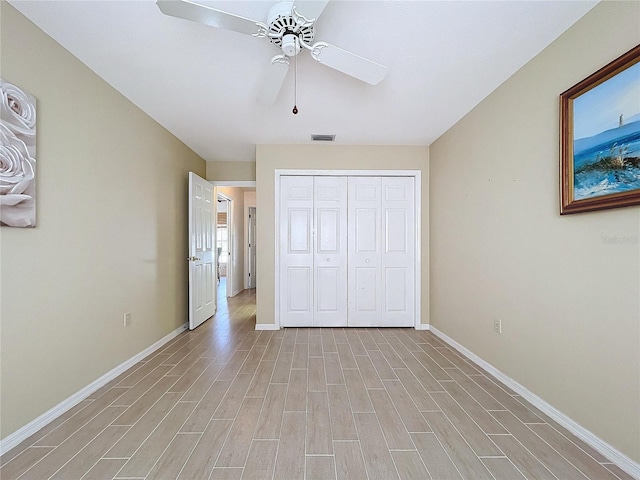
(417, 176)
(230, 236)
(250, 281)
(233, 183)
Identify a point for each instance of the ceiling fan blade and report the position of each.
(274, 79)
(310, 9)
(349, 63)
(210, 16)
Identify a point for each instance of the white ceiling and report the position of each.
(201, 83)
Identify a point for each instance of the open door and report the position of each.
(202, 271)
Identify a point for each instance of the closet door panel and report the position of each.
(398, 256)
(330, 252)
(365, 251)
(395, 281)
(299, 231)
(296, 251)
(366, 280)
(299, 282)
(366, 230)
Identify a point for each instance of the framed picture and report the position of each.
(600, 138)
(17, 157)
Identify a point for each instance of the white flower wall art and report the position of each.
(17, 157)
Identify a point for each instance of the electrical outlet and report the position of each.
(497, 326)
(127, 319)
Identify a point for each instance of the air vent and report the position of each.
(323, 138)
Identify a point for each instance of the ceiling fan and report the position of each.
(291, 27)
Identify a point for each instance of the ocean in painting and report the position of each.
(608, 162)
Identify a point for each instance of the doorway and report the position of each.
(224, 240)
(251, 248)
(240, 196)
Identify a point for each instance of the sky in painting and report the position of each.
(600, 108)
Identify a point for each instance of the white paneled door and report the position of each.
(365, 251)
(296, 251)
(347, 251)
(330, 252)
(202, 283)
(398, 251)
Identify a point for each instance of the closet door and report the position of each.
(365, 252)
(398, 255)
(296, 251)
(330, 246)
(347, 251)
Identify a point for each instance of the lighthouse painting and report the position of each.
(600, 142)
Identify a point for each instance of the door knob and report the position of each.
(192, 259)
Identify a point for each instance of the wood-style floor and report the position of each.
(228, 402)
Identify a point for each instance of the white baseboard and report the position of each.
(422, 326)
(617, 457)
(237, 291)
(266, 326)
(32, 427)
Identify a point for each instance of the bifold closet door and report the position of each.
(365, 252)
(330, 252)
(398, 252)
(381, 273)
(347, 251)
(313, 251)
(296, 251)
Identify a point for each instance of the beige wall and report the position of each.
(237, 246)
(250, 198)
(326, 157)
(111, 235)
(225, 171)
(568, 298)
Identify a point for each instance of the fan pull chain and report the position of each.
(295, 82)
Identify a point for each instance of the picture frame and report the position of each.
(17, 157)
(600, 138)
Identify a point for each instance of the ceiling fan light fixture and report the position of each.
(290, 45)
(319, 137)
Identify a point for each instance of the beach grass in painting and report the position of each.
(606, 132)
